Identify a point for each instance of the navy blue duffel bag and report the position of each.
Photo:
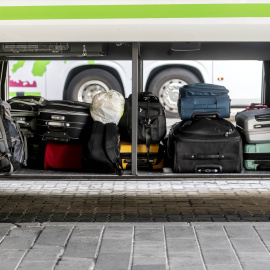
(203, 98)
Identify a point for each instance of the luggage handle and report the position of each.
(57, 126)
(262, 117)
(56, 136)
(262, 165)
(263, 168)
(208, 168)
(213, 115)
(204, 157)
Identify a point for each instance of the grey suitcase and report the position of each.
(254, 125)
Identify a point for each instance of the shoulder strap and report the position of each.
(112, 146)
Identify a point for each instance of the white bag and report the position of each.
(107, 107)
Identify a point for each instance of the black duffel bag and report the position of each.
(151, 120)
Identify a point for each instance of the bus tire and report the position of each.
(89, 82)
(166, 84)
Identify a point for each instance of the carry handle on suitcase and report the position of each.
(208, 168)
(263, 165)
(262, 117)
(57, 126)
(212, 115)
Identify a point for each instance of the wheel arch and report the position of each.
(157, 70)
(79, 69)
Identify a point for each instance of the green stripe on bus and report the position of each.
(134, 11)
(32, 93)
(14, 94)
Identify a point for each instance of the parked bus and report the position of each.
(81, 80)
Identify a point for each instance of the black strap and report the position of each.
(148, 129)
(113, 150)
(209, 156)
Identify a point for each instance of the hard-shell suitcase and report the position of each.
(254, 125)
(61, 155)
(257, 156)
(205, 145)
(24, 110)
(63, 120)
(155, 159)
(203, 97)
(151, 120)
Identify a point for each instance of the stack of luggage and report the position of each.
(204, 142)
(151, 132)
(71, 135)
(63, 125)
(254, 125)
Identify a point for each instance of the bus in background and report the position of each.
(81, 80)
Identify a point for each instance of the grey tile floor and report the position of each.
(135, 225)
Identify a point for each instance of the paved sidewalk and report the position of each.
(135, 225)
(134, 201)
(69, 246)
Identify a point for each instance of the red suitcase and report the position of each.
(60, 155)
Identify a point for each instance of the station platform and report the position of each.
(135, 224)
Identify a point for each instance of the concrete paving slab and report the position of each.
(121, 228)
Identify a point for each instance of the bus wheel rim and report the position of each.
(169, 94)
(89, 89)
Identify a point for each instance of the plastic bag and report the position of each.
(107, 107)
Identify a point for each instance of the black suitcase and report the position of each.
(151, 120)
(101, 153)
(63, 120)
(24, 110)
(205, 145)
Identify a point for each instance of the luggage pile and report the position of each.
(72, 135)
(69, 135)
(204, 142)
(254, 125)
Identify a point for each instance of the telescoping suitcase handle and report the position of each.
(213, 115)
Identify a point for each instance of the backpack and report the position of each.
(12, 142)
(101, 153)
(151, 120)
